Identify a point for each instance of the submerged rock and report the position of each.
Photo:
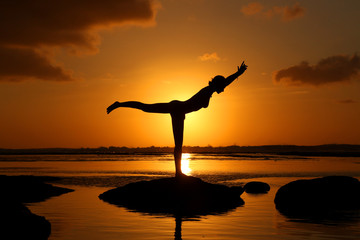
(331, 196)
(185, 196)
(256, 187)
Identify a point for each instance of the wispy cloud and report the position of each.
(290, 13)
(252, 9)
(339, 68)
(347, 101)
(28, 26)
(209, 57)
(286, 13)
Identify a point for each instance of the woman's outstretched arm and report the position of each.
(234, 76)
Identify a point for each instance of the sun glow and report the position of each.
(185, 163)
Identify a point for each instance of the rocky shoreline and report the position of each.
(17, 221)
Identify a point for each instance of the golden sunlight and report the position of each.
(185, 163)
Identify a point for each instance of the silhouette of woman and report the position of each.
(178, 109)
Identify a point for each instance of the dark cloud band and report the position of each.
(27, 26)
(23, 64)
(340, 68)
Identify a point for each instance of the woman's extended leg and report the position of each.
(178, 131)
(175, 108)
(152, 108)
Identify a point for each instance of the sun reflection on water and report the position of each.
(185, 163)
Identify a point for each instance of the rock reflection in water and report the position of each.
(181, 197)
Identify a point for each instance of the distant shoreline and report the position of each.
(336, 150)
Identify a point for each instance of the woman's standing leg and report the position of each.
(178, 131)
(175, 108)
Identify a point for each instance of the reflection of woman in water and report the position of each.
(178, 109)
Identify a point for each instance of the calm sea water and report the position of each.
(81, 215)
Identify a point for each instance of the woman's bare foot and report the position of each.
(180, 175)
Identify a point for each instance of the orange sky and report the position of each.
(62, 65)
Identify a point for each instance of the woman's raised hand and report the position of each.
(242, 68)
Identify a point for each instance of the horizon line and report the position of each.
(188, 146)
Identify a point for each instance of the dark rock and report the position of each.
(256, 187)
(327, 197)
(28, 189)
(185, 196)
(17, 222)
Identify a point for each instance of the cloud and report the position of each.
(340, 68)
(252, 8)
(286, 13)
(290, 13)
(209, 57)
(68, 23)
(348, 101)
(24, 64)
(32, 25)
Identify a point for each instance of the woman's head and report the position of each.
(218, 83)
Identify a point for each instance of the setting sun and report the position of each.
(185, 163)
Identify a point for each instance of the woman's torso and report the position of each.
(200, 100)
